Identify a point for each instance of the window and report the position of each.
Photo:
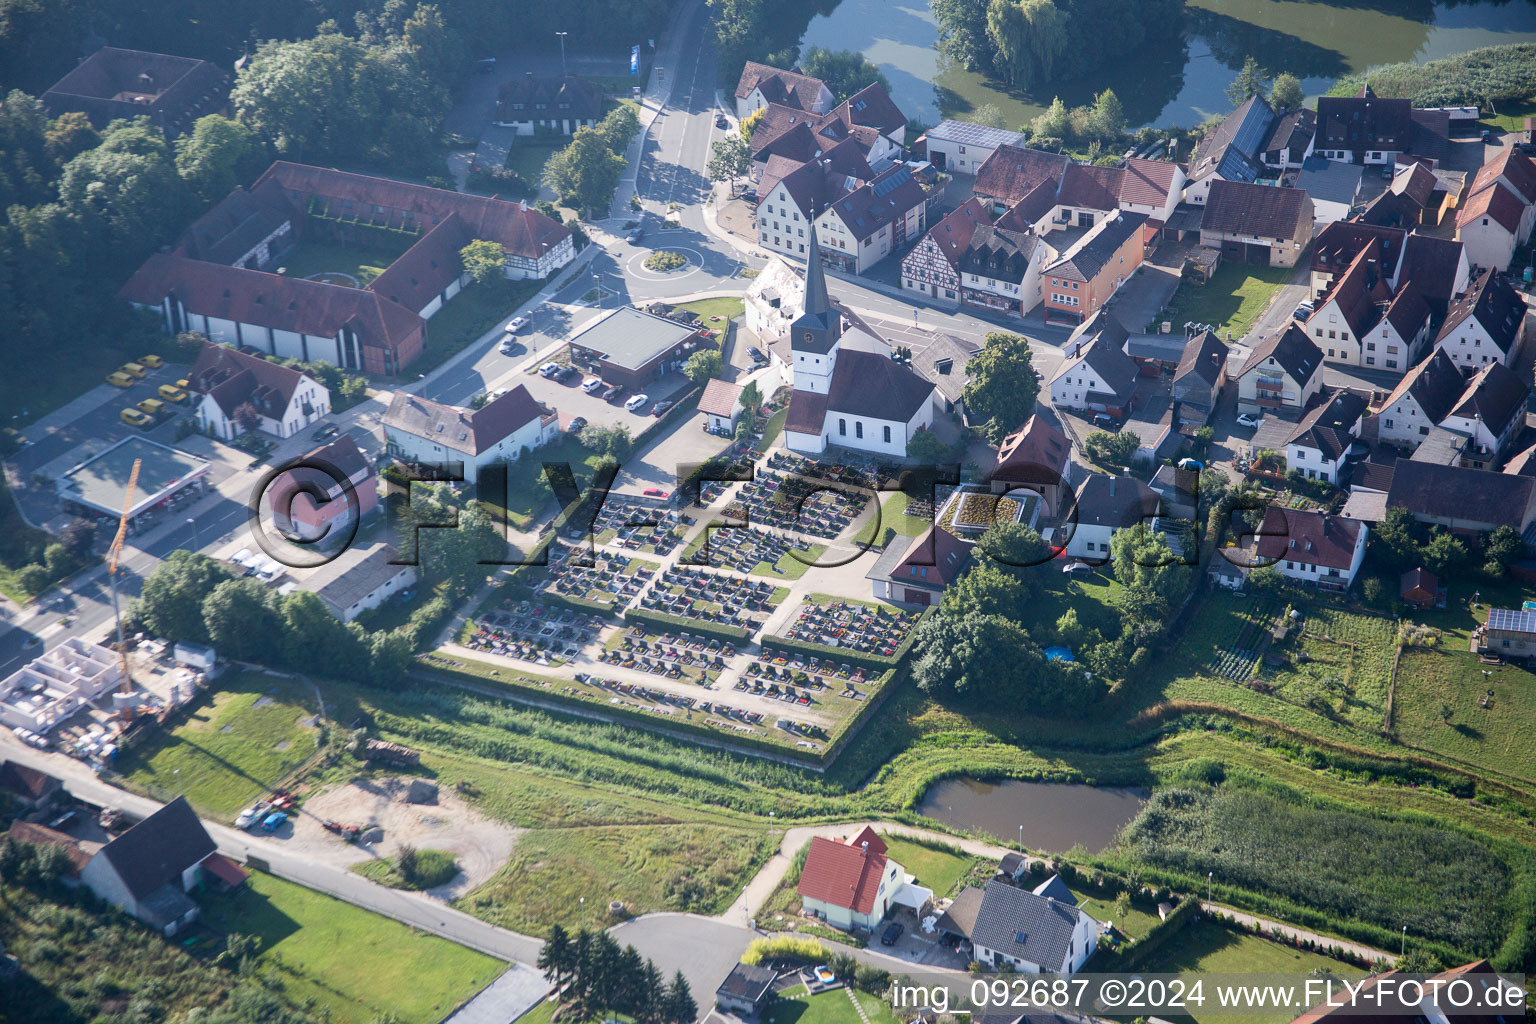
(1392, 363)
(1370, 360)
(842, 427)
(887, 434)
(1319, 332)
(858, 430)
(1387, 424)
(1370, 346)
(1331, 335)
(1343, 335)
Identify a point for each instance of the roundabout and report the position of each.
(635, 266)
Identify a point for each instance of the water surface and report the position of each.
(1056, 817)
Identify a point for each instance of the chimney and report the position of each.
(864, 846)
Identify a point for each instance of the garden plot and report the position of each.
(1338, 662)
(1237, 660)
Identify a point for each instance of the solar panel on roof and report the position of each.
(1512, 620)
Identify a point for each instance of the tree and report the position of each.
(1286, 95)
(1003, 384)
(69, 135)
(314, 640)
(680, 1007)
(703, 365)
(618, 126)
(1503, 548)
(1395, 535)
(484, 261)
(963, 32)
(390, 655)
(749, 124)
(926, 449)
(584, 173)
(842, 71)
(1252, 80)
(1150, 579)
(171, 603)
(407, 863)
(751, 398)
(1055, 122)
(1008, 31)
(1112, 449)
(1108, 116)
(985, 589)
(217, 155)
(1016, 546)
(990, 115)
(729, 159)
(241, 620)
(1444, 553)
(612, 441)
(1070, 632)
(1419, 961)
(555, 956)
(125, 193)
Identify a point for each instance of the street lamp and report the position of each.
(1403, 949)
(1209, 878)
(1021, 837)
(583, 899)
(562, 36)
(193, 523)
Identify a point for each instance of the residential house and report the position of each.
(238, 392)
(1001, 268)
(851, 885)
(1036, 457)
(916, 571)
(783, 138)
(1508, 633)
(721, 405)
(420, 430)
(761, 85)
(863, 226)
(59, 682)
(1422, 400)
(360, 578)
(1011, 173)
(31, 788)
(941, 360)
(872, 107)
(1281, 374)
(116, 84)
(1266, 225)
(1485, 324)
(1337, 245)
(1497, 208)
(847, 390)
(217, 280)
(536, 104)
(1030, 933)
(961, 147)
(1320, 444)
(634, 347)
(1333, 187)
(1103, 506)
(149, 869)
(1290, 141)
(789, 204)
(1077, 283)
(1489, 415)
(746, 990)
(774, 300)
(325, 493)
(1199, 379)
(1231, 151)
(1418, 588)
(958, 921)
(1440, 269)
(1097, 375)
(1414, 200)
(1312, 547)
(1360, 322)
(1179, 490)
(932, 267)
(1364, 128)
(1464, 501)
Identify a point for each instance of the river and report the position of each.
(1317, 42)
(1056, 817)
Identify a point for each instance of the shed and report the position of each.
(746, 989)
(1419, 587)
(196, 655)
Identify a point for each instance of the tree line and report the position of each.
(595, 975)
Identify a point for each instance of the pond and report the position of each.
(1186, 83)
(1055, 816)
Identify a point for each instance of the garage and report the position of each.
(1245, 252)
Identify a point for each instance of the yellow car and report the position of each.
(152, 407)
(134, 418)
(184, 383)
(172, 393)
(119, 379)
(133, 370)
(154, 362)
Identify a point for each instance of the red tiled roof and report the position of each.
(1517, 170)
(807, 412)
(934, 560)
(953, 234)
(1314, 538)
(234, 378)
(1094, 188)
(1034, 453)
(1495, 201)
(719, 397)
(871, 107)
(471, 431)
(225, 870)
(842, 875)
(787, 87)
(1147, 182)
(1357, 291)
(1010, 173)
(42, 835)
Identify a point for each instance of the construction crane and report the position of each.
(113, 554)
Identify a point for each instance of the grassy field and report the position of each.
(356, 964)
(468, 315)
(234, 745)
(1205, 948)
(795, 1006)
(724, 307)
(893, 514)
(434, 868)
(1137, 923)
(1232, 300)
(528, 156)
(316, 257)
(693, 867)
(1497, 737)
(939, 870)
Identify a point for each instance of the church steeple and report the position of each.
(818, 326)
(816, 300)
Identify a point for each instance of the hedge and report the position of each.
(671, 623)
(1139, 952)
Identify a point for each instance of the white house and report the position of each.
(1001, 269)
(1320, 444)
(761, 85)
(1421, 401)
(862, 227)
(1102, 507)
(148, 870)
(420, 430)
(961, 147)
(773, 301)
(240, 392)
(1097, 375)
(1312, 547)
(360, 578)
(1498, 209)
(853, 885)
(1031, 932)
(1282, 372)
(848, 391)
(932, 268)
(1485, 324)
(1490, 413)
(721, 405)
(787, 205)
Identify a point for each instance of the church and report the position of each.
(848, 391)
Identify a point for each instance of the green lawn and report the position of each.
(528, 156)
(1497, 738)
(939, 870)
(528, 487)
(227, 750)
(774, 427)
(1233, 299)
(1512, 117)
(468, 315)
(353, 962)
(728, 308)
(692, 867)
(317, 257)
(1137, 923)
(1205, 948)
(794, 1006)
(435, 867)
(893, 515)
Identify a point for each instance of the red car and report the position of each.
(655, 492)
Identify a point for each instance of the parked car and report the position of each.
(613, 391)
(661, 407)
(1194, 465)
(721, 122)
(891, 934)
(119, 379)
(172, 393)
(1248, 420)
(516, 324)
(549, 370)
(595, 384)
(1303, 311)
(1103, 419)
(568, 374)
(327, 432)
(133, 370)
(636, 402)
(655, 492)
(577, 425)
(245, 817)
(274, 821)
(152, 361)
(756, 355)
(134, 418)
(152, 407)
(635, 235)
(184, 384)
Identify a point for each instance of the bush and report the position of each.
(665, 261)
(785, 947)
